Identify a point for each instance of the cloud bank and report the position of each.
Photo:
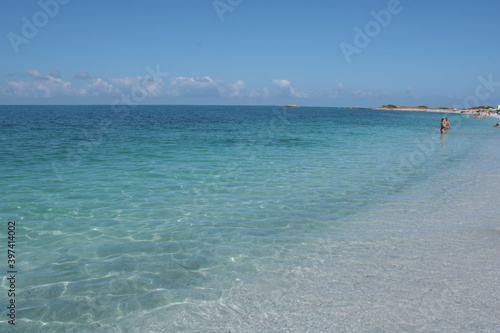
(36, 85)
(286, 90)
(205, 87)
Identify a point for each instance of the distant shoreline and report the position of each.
(402, 108)
(439, 110)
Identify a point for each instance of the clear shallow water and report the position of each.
(121, 214)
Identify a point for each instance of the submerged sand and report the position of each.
(425, 262)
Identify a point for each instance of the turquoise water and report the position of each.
(124, 212)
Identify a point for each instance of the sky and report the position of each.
(348, 53)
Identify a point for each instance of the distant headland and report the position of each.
(440, 109)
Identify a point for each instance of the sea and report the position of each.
(169, 218)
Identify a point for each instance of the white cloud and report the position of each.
(286, 90)
(282, 83)
(340, 91)
(205, 86)
(43, 86)
(83, 85)
(194, 87)
(337, 92)
(34, 73)
(234, 89)
(411, 92)
(38, 85)
(264, 92)
(358, 93)
(154, 88)
(97, 87)
(126, 82)
(203, 82)
(139, 85)
(82, 76)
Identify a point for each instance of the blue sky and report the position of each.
(318, 53)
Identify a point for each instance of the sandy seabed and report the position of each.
(427, 261)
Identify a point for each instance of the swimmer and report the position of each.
(445, 125)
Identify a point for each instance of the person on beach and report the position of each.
(445, 125)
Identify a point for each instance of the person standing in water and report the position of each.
(445, 125)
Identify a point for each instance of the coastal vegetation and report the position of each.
(392, 106)
(483, 107)
(436, 109)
